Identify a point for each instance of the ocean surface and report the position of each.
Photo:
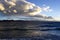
(51, 31)
(37, 35)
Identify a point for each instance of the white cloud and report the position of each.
(21, 7)
(47, 9)
(1, 7)
(11, 3)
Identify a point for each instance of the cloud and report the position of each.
(14, 9)
(1, 7)
(47, 8)
(19, 7)
(57, 18)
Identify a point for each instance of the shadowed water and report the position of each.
(29, 30)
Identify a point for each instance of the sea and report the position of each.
(45, 32)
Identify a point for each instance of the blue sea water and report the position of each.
(35, 31)
(46, 33)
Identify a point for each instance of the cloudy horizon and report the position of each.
(14, 9)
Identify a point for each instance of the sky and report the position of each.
(15, 9)
(53, 4)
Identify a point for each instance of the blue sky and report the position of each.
(53, 4)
